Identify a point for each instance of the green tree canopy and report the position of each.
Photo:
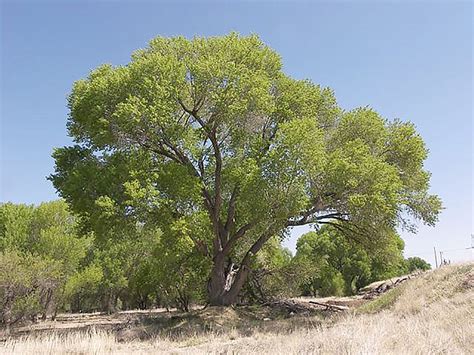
(342, 265)
(39, 250)
(213, 127)
(416, 263)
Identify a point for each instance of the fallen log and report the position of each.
(292, 306)
(331, 306)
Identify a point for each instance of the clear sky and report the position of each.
(406, 60)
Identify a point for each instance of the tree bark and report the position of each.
(47, 305)
(217, 280)
(225, 282)
(219, 295)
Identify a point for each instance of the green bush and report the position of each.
(27, 285)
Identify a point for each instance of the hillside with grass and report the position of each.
(429, 313)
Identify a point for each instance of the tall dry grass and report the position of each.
(432, 314)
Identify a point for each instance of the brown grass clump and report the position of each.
(428, 315)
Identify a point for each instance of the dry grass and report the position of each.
(432, 314)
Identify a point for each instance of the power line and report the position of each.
(418, 254)
(455, 250)
(443, 251)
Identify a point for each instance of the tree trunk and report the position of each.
(47, 304)
(225, 282)
(109, 302)
(216, 283)
(7, 310)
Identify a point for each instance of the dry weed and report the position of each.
(433, 315)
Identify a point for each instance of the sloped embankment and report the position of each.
(432, 313)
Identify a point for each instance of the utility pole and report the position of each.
(436, 257)
(441, 258)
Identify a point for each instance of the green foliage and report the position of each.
(40, 250)
(416, 263)
(15, 221)
(180, 270)
(383, 302)
(55, 268)
(125, 266)
(83, 289)
(212, 126)
(27, 284)
(343, 266)
(273, 274)
(387, 261)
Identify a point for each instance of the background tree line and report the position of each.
(48, 264)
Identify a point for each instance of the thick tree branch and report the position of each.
(256, 246)
(160, 151)
(217, 173)
(345, 229)
(308, 219)
(239, 234)
(243, 270)
(217, 201)
(229, 224)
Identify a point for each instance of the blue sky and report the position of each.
(406, 60)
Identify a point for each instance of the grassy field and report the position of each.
(430, 314)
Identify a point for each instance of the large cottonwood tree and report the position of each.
(211, 132)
